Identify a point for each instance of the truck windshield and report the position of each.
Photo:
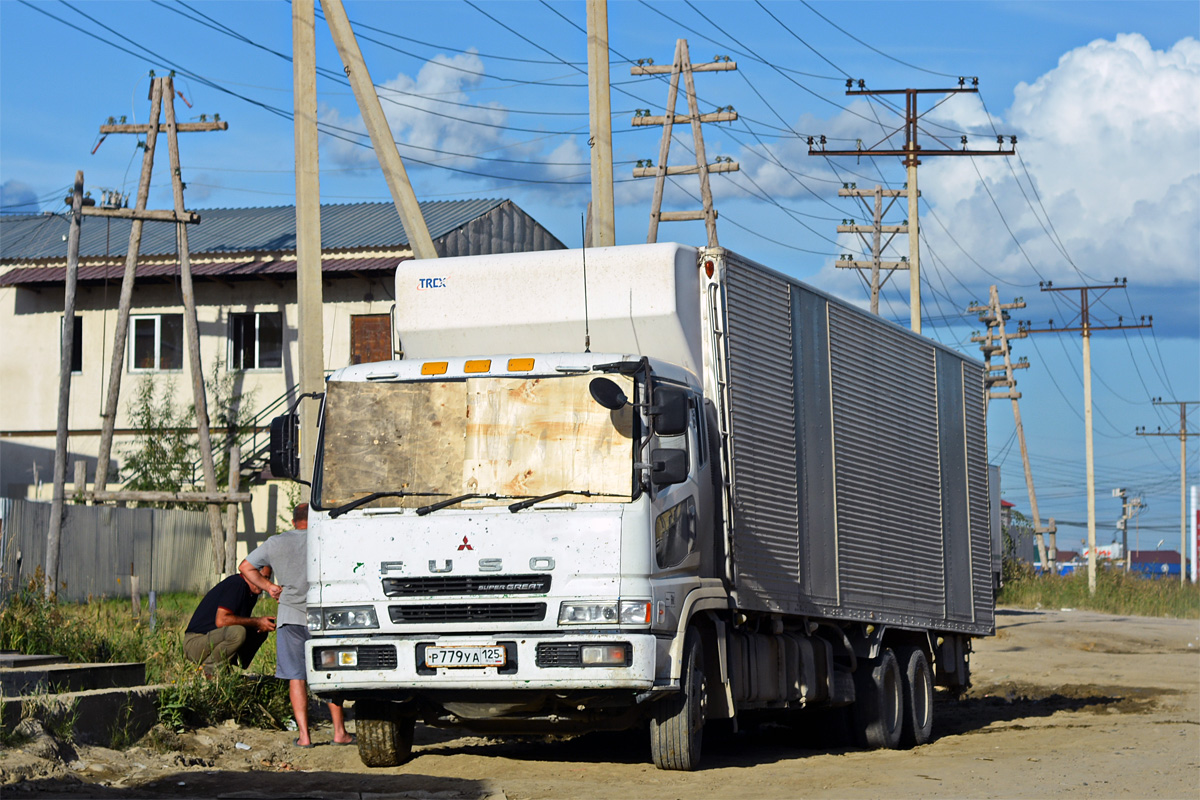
(497, 438)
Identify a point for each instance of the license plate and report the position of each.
(468, 656)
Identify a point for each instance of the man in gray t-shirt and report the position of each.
(287, 556)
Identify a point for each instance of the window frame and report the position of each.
(158, 342)
(235, 317)
(76, 342)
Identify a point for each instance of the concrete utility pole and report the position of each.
(1128, 509)
(54, 534)
(876, 265)
(1083, 324)
(603, 228)
(910, 153)
(310, 320)
(1182, 433)
(995, 316)
(682, 65)
(377, 126)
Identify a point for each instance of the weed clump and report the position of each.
(1117, 592)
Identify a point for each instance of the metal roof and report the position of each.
(234, 230)
(242, 268)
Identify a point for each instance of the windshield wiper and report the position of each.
(523, 504)
(353, 504)
(439, 505)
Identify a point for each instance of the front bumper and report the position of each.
(396, 663)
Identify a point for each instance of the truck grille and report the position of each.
(467, 612)
(467, 584)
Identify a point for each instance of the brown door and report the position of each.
(370, 338)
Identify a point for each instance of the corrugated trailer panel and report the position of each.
(889, 529)
(764, 437)
(977, 477)
(858, 462)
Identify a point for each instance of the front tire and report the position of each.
(879, 702)
(677, 727)
(385, 738)
(918, 696)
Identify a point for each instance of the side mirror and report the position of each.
(670, 411)
(670, 466)
(608, 394)
(285, 446)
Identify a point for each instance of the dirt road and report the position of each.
(1065, 703)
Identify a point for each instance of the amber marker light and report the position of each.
(709, 267)
(478, 365)
(433, 368)
(520, 364)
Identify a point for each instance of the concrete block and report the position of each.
(27, 680)
(102, 716)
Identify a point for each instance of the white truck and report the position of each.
(643, 486)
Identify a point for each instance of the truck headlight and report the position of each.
(623, 612)
(342, 618)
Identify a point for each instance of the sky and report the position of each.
(489, 99)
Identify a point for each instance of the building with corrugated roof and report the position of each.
(243, 263)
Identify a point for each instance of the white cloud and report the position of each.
(1111, 142)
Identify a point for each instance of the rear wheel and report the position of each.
(385, 737)
(918, 696)
(677, 727)
(879, 702)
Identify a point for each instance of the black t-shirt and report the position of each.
(232, 594)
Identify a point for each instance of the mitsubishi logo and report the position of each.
(465, 545)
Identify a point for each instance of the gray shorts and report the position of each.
(289, 652)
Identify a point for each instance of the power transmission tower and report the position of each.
(996, 342)
(910, 153)
(682, 65)
(1082, 322)
(162, 103)
(1182, 433)
(876, 265)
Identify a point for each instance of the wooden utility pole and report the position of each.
(66, 353)
(876, 245)
(911, 161)
(117, 365)
(162, 102)
(377, 126)
(1182, 433)
(310, 321)
(682, 65)
(996, 341)
(1082, 323)
(603, 228)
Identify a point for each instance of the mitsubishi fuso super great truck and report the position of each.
(643, 487)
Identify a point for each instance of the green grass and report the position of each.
(106, 631)
(1116, 593)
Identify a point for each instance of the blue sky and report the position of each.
(489, 99)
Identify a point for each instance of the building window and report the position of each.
(256, 340)
(76, 345)
(157, 342)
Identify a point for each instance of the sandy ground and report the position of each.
(1065, 703)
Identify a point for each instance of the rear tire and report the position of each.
(677, 727)
(879, 702)
(918, 696)
(385, 738)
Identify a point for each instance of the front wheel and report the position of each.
(879, 702)
(677, 727)
(385, 738)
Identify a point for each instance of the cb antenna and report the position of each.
(587, 332)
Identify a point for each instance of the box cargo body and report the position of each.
(857, 459)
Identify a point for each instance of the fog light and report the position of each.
(604, 655)
(331, 658)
